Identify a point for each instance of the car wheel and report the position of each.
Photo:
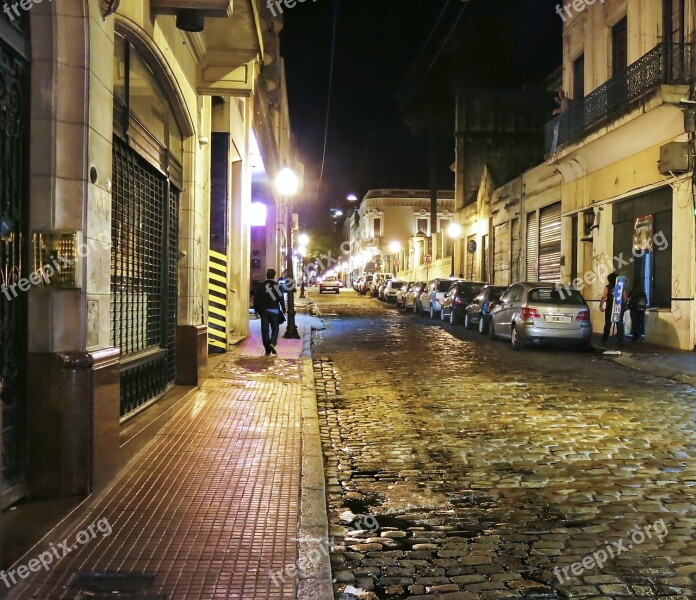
(483, 325)
(515, 339)
(453, 317)
(467, 321)
(491, 331)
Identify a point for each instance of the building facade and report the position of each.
(625, 153)
(391, 232)
(615, 191)
(125, 217)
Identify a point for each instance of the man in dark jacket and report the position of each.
(269, 304)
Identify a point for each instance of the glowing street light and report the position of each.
(394, 249)
(303, 239)
(454, 231)
(287, 183)
(352, 198)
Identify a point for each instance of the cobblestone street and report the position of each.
(457, 468)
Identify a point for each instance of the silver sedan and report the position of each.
(536, 312)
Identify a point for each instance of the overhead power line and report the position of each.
(328, 102)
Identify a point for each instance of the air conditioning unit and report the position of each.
(674, 158)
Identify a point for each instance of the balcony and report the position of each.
(666, 64)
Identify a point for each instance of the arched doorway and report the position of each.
(15, 72)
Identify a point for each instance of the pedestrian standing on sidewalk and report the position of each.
(269, 304)
(606, 305)
(637, 303)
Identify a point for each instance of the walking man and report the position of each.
(269, 304)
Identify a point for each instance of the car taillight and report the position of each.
(583, 315)
(530, 313)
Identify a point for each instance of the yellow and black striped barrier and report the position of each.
(217, 302)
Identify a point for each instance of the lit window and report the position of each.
(258, 214)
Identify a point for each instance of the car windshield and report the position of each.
(444, 286)
(397, 285)
(469, 289)
(550, 295)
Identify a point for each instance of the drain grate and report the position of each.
(113, 583)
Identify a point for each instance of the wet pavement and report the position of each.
(459, 469)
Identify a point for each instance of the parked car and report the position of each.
(536, 312)
(402, 291)
(379, 279)
(458, 296)
(366, 283)
(381, 288)
(412, 295)
(329, 284)
(431, 298)
(391, 288)
(478, 312)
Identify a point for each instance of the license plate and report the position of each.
(557, 319)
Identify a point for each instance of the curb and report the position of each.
(314, 576)
(629, 360)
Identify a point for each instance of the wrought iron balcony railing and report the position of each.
(664, 64)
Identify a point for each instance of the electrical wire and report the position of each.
(437, 55)
(424, 47)
(328, 101)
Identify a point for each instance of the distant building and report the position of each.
(391, 231)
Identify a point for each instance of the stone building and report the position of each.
(625, 152)
(615, 188)
(391, 232)
(130, 130)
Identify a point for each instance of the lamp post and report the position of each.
(303, 241)
(394, 248)
(287, 185)
(453, 231)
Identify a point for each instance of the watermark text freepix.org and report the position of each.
(577, 5)
(55, 552)
(602, 269)
(12, 10)
(273, 4)
(611, 550)
(367, 523)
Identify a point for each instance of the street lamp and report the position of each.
(303, 241)
(453, 231)
(352, 198)
(287, 184)
(394, 248)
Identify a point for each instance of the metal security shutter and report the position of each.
(501, 254)
(144, 230)
(550, 243)
(532, 246)
(662, 265)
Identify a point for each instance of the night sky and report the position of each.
(382, 82)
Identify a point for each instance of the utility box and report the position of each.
(690, 120)
(674, 158)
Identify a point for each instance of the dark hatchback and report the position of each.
(460, 294)
(478, 312)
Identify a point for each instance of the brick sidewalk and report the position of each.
(212, 503)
